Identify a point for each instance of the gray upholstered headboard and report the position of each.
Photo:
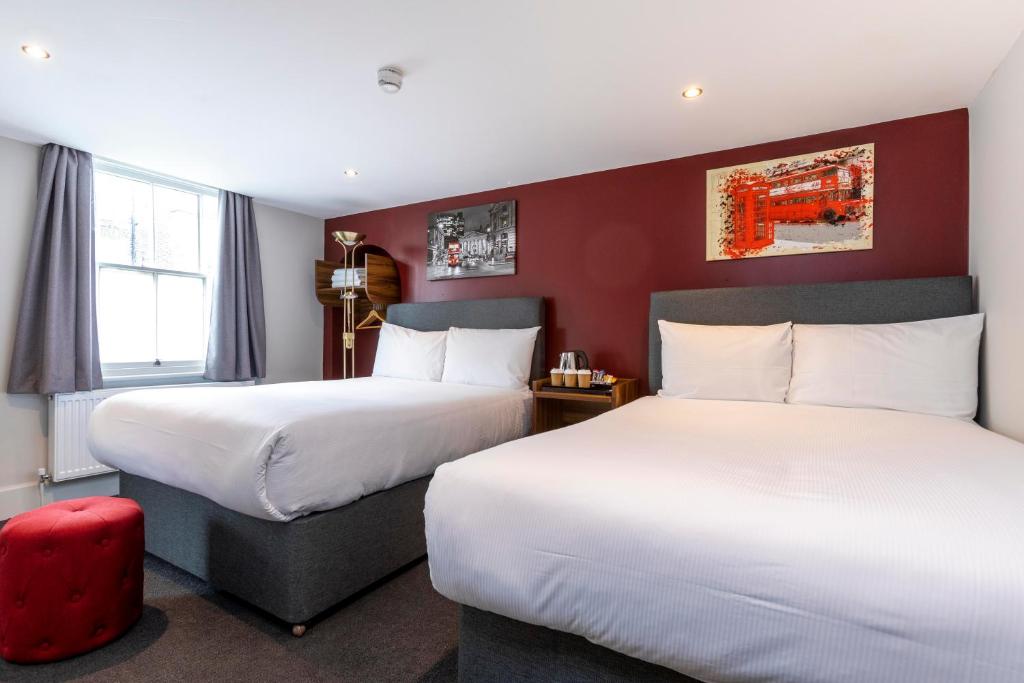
(487, 314)
(872, 301)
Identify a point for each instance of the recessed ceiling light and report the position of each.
(35, 51)
(351, 172)
(693, 92)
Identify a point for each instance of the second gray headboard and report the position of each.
(486, 314)
(871, 301)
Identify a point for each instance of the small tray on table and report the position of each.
(592, 389)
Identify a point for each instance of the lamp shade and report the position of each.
(347, 237)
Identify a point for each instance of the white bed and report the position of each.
(281, 451)
(738, 541)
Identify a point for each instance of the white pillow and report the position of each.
(929, 366)
(729, 362)
(493, 358)
(409, 354)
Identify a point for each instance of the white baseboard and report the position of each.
(24, 497)
(18, 498)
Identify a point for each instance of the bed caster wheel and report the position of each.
(299, 630)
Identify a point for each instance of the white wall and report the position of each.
(22, 418)
(289, 242)
(997, 225)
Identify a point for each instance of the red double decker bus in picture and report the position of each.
(752, 227)
(454, 254)
(827, 194)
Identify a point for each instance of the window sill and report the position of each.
(124, 381)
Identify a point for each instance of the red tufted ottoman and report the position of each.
(70, 578)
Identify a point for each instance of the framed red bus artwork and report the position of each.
(807, 204)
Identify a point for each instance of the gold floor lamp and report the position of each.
(348, 241)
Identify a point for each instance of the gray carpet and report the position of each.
(401, 630)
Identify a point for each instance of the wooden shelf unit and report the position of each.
(554, 409)
(382, 287)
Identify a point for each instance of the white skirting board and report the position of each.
(17, 499)
(24, 497)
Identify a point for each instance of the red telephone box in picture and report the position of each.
(752, 224)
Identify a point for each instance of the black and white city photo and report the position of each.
(477, 241)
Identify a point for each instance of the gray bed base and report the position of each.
(293, 570)
(495, 649)
(296, 570)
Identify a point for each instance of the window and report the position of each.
(155, 259)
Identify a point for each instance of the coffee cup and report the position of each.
(583, 379)
(556, 377)
(570, 378)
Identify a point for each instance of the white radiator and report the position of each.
(69, 428)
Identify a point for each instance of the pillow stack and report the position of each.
(930, 366)
(493, 358)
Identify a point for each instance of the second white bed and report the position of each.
(740, 541)
(280, 451)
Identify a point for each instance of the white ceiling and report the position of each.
(275, 98)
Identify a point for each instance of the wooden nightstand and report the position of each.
(552, 410)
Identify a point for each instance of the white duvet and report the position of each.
(279, 451)
(740, 541)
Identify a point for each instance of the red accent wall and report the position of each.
(596, 245)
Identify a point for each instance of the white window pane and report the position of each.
(176, 216)
(180, 318)
(126, 316)
(209, 229)
(124, 220)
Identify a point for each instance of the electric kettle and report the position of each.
(573, 360)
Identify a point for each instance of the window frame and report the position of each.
(185, 370)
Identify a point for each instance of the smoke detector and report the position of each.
(389, 79)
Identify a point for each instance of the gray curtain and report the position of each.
(238, 334)
(56, 348)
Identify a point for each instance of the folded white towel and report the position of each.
(355, 276)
